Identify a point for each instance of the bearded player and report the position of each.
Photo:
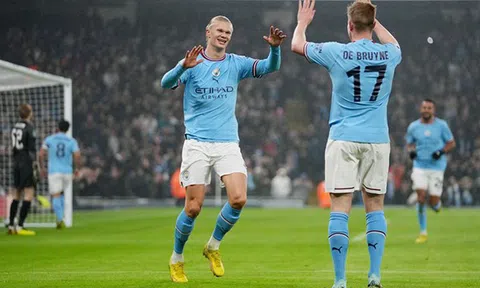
(429, 139)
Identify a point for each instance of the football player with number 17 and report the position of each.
(358, 149)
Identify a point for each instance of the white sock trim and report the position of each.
(213, 244)
(176, 258)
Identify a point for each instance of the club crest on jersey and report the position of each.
(427, 133)
(186, 175)
(216, 72)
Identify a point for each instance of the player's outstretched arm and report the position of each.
(305, 15)
(383, 34)
(170, 79)
(272, 62)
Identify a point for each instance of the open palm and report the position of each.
(306, 11)
(191, 57)
(276, 37)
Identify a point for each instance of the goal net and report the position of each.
(51, 99)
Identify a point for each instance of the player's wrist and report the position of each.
(303, 23)
(181, 66)
(437, 154)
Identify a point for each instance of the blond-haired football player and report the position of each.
(211, 77)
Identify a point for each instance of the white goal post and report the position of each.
(51, 99)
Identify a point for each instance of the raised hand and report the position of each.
(305, 11)
(191, 57)
(276, 37)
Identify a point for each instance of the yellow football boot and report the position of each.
(177, 274)
(44, 202)
(25, 232)
(216, 265)
(422, 238)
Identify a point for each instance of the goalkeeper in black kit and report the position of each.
(25, 170)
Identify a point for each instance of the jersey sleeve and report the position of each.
(324, 54)
(246, 67)
(447, 135)
(75, 146)
(409, 137)
(183, 78)
(395, 53)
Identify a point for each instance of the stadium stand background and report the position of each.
(130, 129)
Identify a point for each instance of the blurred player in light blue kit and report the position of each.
(211, 78)
(60, 148)
(358, 149)
(429, 139)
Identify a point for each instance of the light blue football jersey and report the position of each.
(210, 94)
(429, 138)
(362, 74)
(60, 148)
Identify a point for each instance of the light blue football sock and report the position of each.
(376, 234)
(227, 217)
(58, 208)
(183, 228)
(422, 217)
(338, 239)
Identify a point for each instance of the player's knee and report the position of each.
(421, 196)
(28, 194)
(238, 201)
(434, 200)
(193, 208)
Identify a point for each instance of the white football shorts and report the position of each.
(350, 166)
(198, 159)
(428, 180)
(59, 182)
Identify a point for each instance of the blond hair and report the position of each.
(218, 18)
(362, 14)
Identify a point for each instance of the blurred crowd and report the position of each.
(131, 130)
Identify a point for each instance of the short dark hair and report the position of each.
(429, 100)
(24, 111)
(63, 125)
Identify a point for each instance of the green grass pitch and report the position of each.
(267, 248)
